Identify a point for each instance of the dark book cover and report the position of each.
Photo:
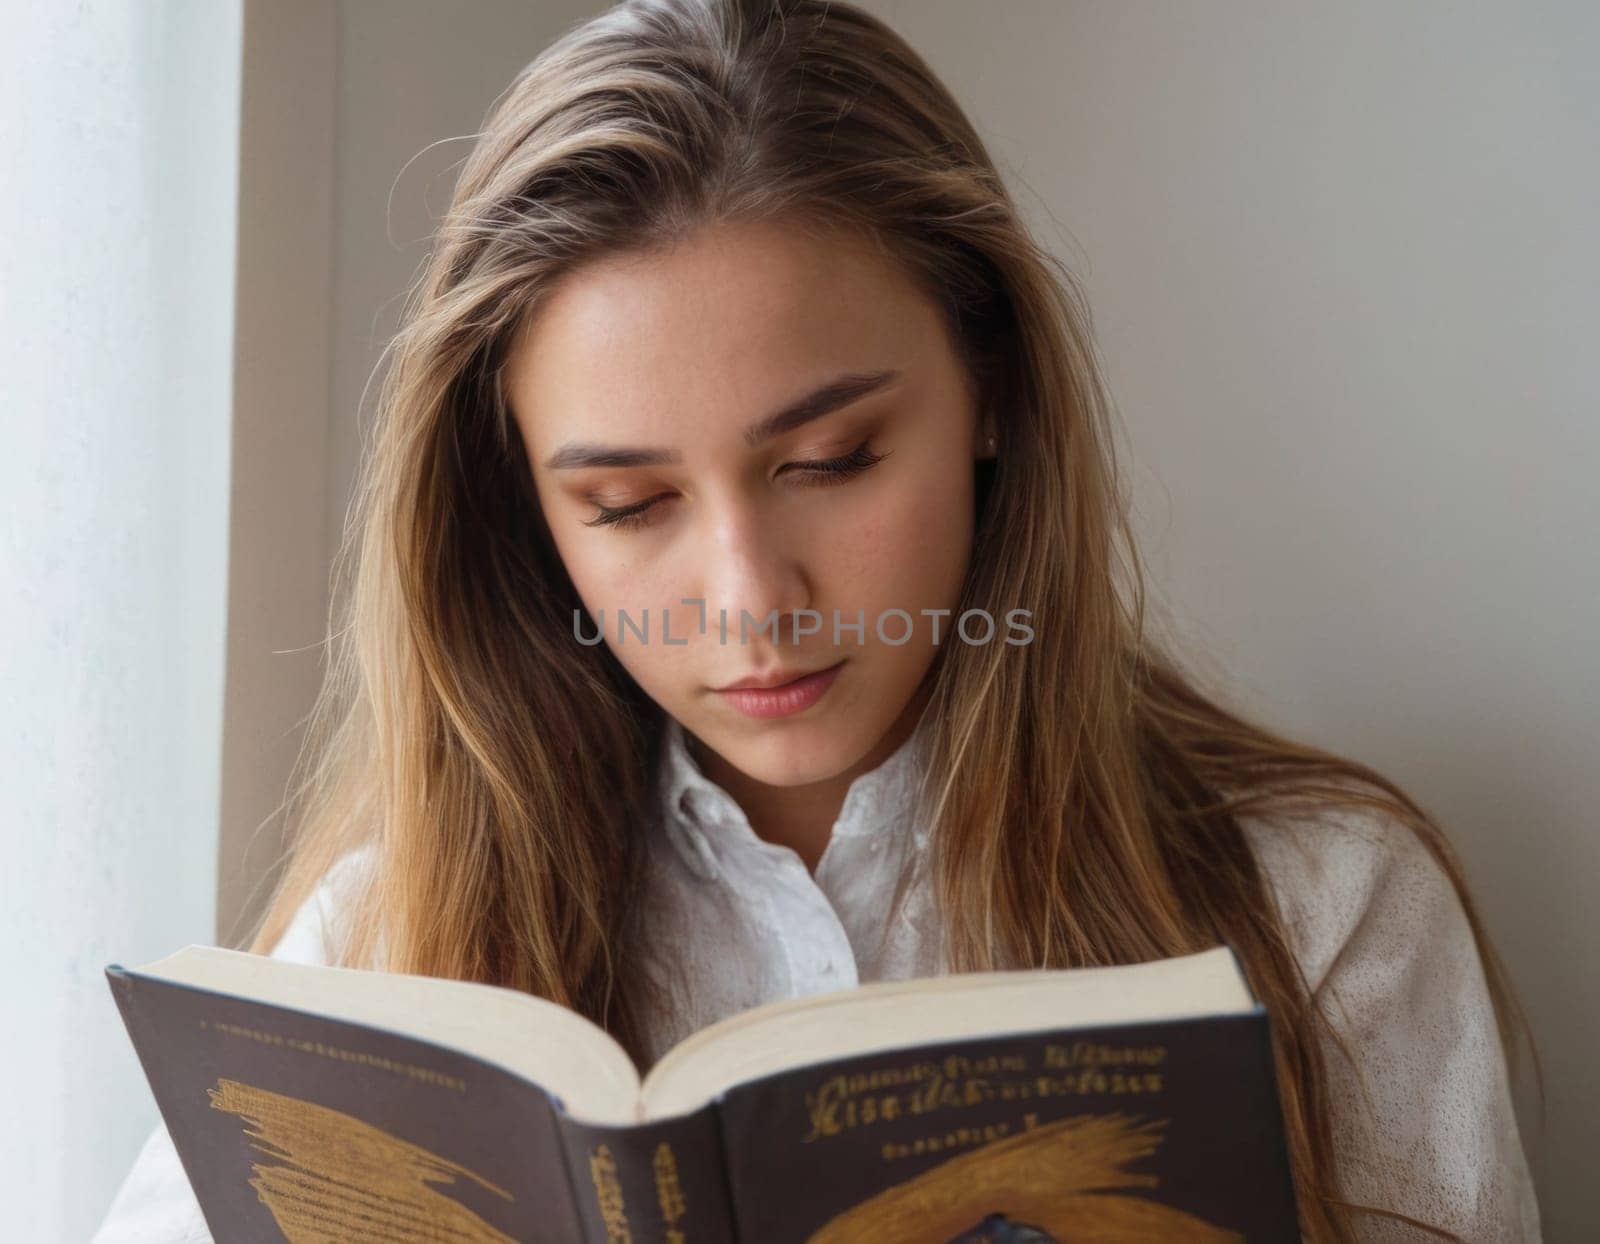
(1166, 1131)
(295, 1127)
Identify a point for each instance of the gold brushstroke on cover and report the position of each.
(333, 1178)
(1060, 1178)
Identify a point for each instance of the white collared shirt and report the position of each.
(754, 924)
(740, 921)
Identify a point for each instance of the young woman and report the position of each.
(732, 317)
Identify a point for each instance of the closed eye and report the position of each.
(836, 470)
(816, 471)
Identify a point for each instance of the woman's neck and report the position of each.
(802, 817)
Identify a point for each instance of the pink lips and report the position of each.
(783, 700)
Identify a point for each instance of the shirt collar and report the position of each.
(704, 822)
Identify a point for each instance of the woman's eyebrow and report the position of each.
(834, 395)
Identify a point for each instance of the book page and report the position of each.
(896, 1014)
(545, 1043)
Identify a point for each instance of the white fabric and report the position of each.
(1372, 919)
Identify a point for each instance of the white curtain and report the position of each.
(118, 160)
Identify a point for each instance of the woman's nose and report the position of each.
(751, 569)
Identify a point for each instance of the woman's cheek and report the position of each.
(919, 547)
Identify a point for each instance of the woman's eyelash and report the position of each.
(826, 471)
(856, 461)
(622, 517)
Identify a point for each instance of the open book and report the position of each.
(312, 1103)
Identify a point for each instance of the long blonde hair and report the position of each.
(1090, 791)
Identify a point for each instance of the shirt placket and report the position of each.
(814, 923)
(816, 948)
(859, 875)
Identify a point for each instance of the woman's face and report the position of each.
(761, 420)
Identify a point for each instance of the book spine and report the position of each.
(662, 1182)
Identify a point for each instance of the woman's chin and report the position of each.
(792, 752)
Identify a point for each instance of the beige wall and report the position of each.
(1346, 276)
(278, 545)
(354, 117)
(1344, 272)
